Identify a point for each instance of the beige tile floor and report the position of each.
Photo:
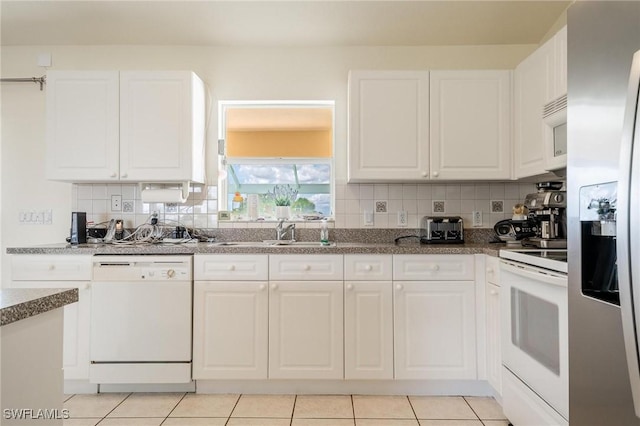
(180, 409)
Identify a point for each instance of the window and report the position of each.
(288, 145)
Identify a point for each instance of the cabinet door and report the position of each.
(305, 330)
(494, 345)
(230, 330)
(533, 85)
(560, 41)
(434, 330)
(470, 124)
(82, 125)
(157, 125)
(368, 330)
(388, 126)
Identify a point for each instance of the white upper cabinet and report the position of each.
(83, 116)
(388, 126)
(130, 126)
(420, 125)
(470, 124)
(538, 80)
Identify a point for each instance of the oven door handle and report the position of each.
(549, 277)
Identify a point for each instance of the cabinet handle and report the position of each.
(124, 175)
(52, 267)
(274, 286)
(232, 267)
(86, 286)
(368, 268)
(493, 292)
(435, 268)
(113, 174)
(399, 287)
(425, 174)
(263, 286)
(307, 267)
(489, 270)
(350, 287)
(436, 174)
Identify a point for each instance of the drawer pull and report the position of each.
(113, 174)
(232, 267)
(52, 267)
(85, 286)
(489, 270)
(435, 268)
(493, 292)
(399, 287)
(274, 286)
(307, 267)
(368, 268)
(262, 286)
(350, 287)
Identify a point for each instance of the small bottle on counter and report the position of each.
(324, 233)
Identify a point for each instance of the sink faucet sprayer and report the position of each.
(281, 231)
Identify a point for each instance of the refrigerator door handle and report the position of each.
(628, 231)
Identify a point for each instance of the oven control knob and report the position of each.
(558, 198)
(171, 273)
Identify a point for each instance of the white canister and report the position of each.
(252, 206)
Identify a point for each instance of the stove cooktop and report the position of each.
(554, 259)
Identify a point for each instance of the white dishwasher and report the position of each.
(141, 310)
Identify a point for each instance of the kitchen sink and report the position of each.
(288, 243)
(272, 243)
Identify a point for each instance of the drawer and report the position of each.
(492, 270)
(45, 267)
(231, 267)
(368, 267)
(306, 267)
(433, 267)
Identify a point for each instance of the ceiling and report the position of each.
(277, 23)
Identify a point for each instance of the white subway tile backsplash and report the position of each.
(351, 200)
(424, 192)
(395, 191)
(366, 192)
(381, 191)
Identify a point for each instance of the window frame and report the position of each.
(223, 161)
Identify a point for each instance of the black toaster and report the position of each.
(441, 229)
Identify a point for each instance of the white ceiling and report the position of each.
(277, 23)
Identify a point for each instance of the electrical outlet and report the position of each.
(116, 203)
(477, 218)
(367, 218)
(403, 218)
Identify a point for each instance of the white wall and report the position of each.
(231, 73)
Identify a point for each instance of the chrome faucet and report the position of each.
(281, 231)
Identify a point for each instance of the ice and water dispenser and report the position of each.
(598, 246)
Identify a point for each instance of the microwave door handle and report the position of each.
(628, 231)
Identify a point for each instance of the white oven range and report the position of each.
(535, 336)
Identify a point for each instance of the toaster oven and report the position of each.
(441, 229)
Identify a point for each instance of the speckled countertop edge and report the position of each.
(205, 248)
(20, 303)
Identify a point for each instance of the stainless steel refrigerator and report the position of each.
(602, 39)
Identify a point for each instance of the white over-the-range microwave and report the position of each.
(554, 115)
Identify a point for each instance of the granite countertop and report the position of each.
(204, 248)
(21, 303)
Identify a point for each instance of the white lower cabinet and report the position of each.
(230, 316)
(306, 330)
(66, 271)
(434, 318)
(368, 317)
(230, 328)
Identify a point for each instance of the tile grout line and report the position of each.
(233, 409)
(173, 409)
(113, 409)
(413, 409)
(474, 411)
(293, 410)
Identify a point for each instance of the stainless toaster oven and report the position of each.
(441, 229)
